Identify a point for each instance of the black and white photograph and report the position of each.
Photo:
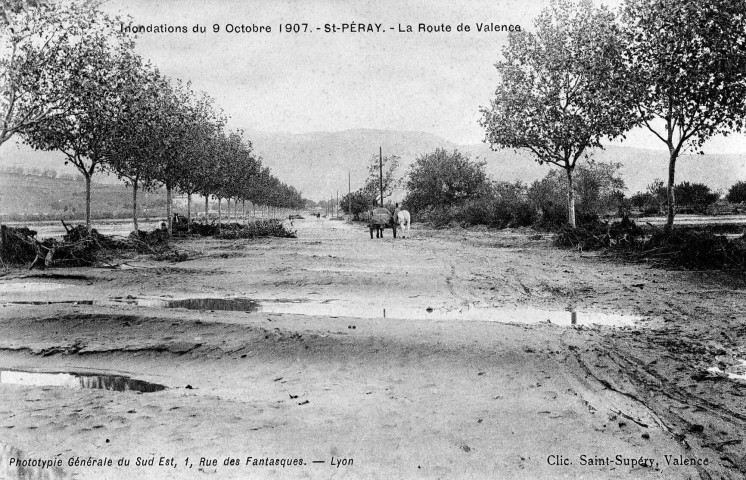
(327, 239)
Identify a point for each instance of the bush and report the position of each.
(360, 201)
(442, 179)
(503, 205)
(694, 197)
(598, 191)
(737, 193)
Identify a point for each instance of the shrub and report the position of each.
(694, 197)
(442, 179)
(737, 193)
(598, 191)
(503, 205)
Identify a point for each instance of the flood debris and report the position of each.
(686, 247)
(83, 247)
(260, 228)
(79, 247)
(256, 229)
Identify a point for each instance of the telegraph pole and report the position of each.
(380, 171)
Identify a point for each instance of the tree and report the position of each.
(737, 193)
(99, 62)
(441, 179)
(597, 187)
(32, 36)
(357, 202)
(686, 65)
(695, 197)
(130, 157)
(203, 125)
(374, 186)
(177, 141)
(559, 89)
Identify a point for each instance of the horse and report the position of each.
(403, 219)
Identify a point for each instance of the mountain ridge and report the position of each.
(318, 163)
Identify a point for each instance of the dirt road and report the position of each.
(311, 381)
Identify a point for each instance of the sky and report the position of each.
(318, 81)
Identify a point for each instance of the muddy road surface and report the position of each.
(448, 354)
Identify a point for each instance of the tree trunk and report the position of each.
(220, 201)
(570, 199)
(670, 190)
(243, 211)
(87, 201)
(134, 205)
(189, 212)
(169, 208)
(207, 208)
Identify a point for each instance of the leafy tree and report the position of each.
(203, 125)
(178, 142)
(686, 65)
(130, 157)
(642, 201)
(441, 179)
(695, 196)
(373, 185)
(598, 188)
(358, 202)
(737, 193)
(99, 65)
(657, 189)
(558, 90)
(10, 7)
(32, 39)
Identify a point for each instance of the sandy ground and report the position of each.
(412, 397)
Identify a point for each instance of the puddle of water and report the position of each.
(230, 304)
(14, 465)
(483, 314)
(30, 287)
(733, 372)
(335, 309)
(74, 380)
(54, 302)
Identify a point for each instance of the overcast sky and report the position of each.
(298, 83)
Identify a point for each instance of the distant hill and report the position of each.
(318, 163)
(639, 166)
(26, 196)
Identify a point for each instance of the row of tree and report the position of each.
(72, 82)
(587, 74)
